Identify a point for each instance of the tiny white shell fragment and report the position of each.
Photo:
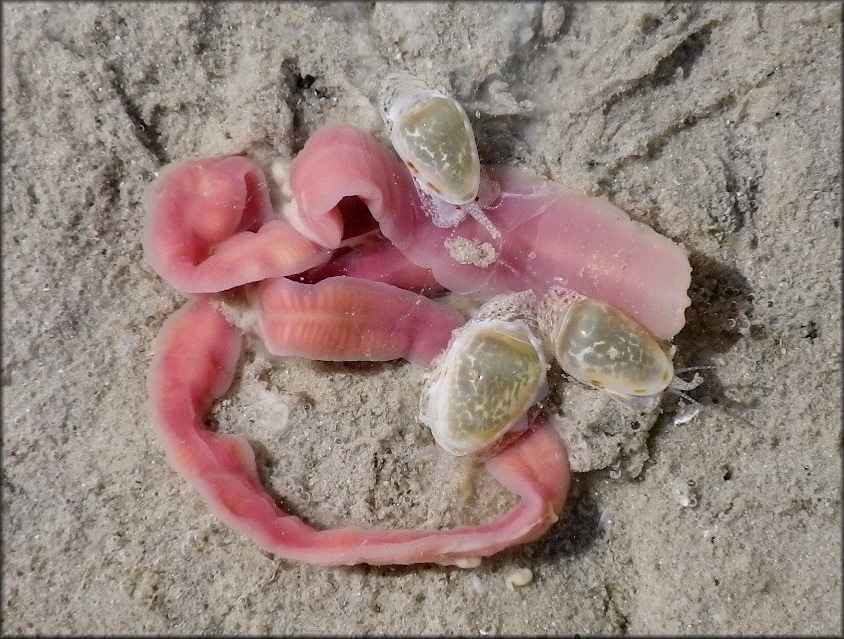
(491, 373)
(519, 578)
(601, 346)
(432, 135)
(686, 412)
(685, 492)
(605, 520)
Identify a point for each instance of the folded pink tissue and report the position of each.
(343, 275)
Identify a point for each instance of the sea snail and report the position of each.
(432, 135)
(494, 369)
(600, 346)
(491, 373)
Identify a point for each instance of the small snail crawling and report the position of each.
(599, 345)
(491, 373)
(494, 368)
(431, 133)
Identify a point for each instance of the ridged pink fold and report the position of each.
(349, 319)
(210, 226)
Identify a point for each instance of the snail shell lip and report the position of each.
(432, 135)
(492, 372)
(599, 345)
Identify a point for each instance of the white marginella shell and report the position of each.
(599, 345)
(491, 373)
(432, 135)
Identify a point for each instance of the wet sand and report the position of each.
(717, 124)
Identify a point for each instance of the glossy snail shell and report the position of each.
(491, 373)
(599, 345)
(432, 135)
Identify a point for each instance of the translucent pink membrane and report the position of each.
(550, 235)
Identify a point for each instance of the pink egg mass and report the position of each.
(346, 274)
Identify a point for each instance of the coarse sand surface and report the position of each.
(719, 124)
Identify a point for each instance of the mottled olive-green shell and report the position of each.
(601, 346)
(492, 373)
(432, 135)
